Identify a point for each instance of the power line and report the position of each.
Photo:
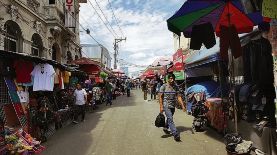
(102, 20)
(116, 20)
(105, 17)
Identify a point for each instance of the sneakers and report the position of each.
(166, 131)
(177, 138)
(75, 122)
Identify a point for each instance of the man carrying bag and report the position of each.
(169, 95)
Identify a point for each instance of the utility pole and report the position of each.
(116, 41)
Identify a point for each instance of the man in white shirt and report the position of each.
(80, 101)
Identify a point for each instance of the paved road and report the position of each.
(127, 128)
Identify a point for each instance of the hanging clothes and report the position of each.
(61, 82)
(23, 71)
(66, 76)
(43, 77)
(258, 67)
(203, 33)
(57, 75)
(258, 62)
(229, 38)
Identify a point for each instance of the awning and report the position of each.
(14, 55)
(203, 56)
(85, 61)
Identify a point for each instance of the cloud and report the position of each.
(143, 23)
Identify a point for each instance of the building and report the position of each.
(98, 53)
(180, 42)
(43, 28)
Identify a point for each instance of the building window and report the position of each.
(54, 53)
(69, 56)
(76, 57)
(13, 37)
(37, 45)
(35, 51)
(10, 44)
(52, 1)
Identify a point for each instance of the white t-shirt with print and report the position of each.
(80, 96)
(43, 77)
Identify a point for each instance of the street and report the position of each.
(127, 127)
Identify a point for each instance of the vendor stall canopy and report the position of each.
(216, 12)
(13, 55)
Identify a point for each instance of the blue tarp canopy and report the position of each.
(203, 56)
(210, 88)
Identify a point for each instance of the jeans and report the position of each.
(189, 105)
(80, 109)
(169, 112)
(109, 98)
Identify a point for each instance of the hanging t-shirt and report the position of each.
(23, 70)
(43, 77)
(61, 83)
(66, 76)
(57, 75)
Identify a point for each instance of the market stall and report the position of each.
(33, 94)
(201, 21)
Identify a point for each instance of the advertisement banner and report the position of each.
(178, 60)
(70, 17)
(179, 75)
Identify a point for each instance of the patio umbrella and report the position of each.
(217, 12)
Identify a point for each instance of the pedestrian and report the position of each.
(153, 89)
(109, 92)
(169, 95)
(144, 89)
(80, 100)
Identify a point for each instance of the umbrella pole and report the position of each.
(232, 75)
(235, 103)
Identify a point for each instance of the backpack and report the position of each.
(160, 120)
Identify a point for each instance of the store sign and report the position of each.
(69, 5)
(179, 75)
(178, 60)
(70, 17)
(269, 8)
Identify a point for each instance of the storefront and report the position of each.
(34, 98)
(246, 66)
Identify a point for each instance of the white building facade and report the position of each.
(98, 53)
(43, 28)
(180, 42)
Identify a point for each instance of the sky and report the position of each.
(143, 23)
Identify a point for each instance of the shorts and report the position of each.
(203, 33)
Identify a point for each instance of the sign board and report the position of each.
(178, 60)
(70, 17)
(269, 8)
(179, 75)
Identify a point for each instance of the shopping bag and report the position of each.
(160, 120)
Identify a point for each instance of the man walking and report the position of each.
(169, 94)
(109, 92)
(80, 101)
(153, 89)
(144, 89)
